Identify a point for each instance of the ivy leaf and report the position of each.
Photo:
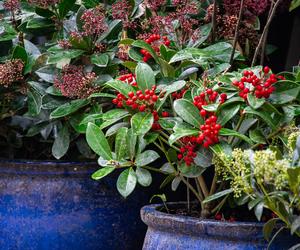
(126, 182)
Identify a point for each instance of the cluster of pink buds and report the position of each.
(11, 71)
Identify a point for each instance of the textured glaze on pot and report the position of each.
(57, 206)
(175, 232)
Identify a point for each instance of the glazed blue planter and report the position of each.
(175, 232)
(57, 206)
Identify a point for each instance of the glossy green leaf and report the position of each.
(265, 116)
(61, 143)
(121, 87)
(188, 112)
(230, 132)
(126, 182)
(68, 108)
(146, 46)
(268, 228)
(226, 113)
(217, 195)
(255, 102)
(285, 91)
(97, 141)
(131, 142)
(144, 76)
(182, 130)
(100, 60)
(142, 122)
(65, 6)
(102, 172)
(146, 158)
(121, 147)
(144, 177)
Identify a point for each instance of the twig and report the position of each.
(263, 47)
(236, 33)
(214, 21)
(270, 18)
(203, 186)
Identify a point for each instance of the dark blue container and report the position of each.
(57, 206)
(175, 232)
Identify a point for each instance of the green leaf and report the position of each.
(100, 60)
(126, 182)
(226, 113)
(64, 7)
(222, 147)
(61, 143)
(34, 102)
(121, 147)
(217, 195)
(122, 87)
(203, 158)
(188, 112)
(97, 141)
(112, 33)
(191, 171)
(175, 183)
(68, 108)
(161, 196)
(146, 158)
(257, 136)
(131, 143)
(64, 54)
(294, 178)
(269, 227)
(295, 225)
(258, 210)
(294, 4)
(39, 23)
(146, 46)
(182, 130)
(285, 91)
(20, 53)
(265, 116)
(230, 132)
(144, 76)
(144, 177)
(255, 102)
(102, 172)
(141, 123)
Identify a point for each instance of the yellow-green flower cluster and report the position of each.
(236, 168)
(269, 170)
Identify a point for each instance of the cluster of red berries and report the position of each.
(179, 94)
(187, 152)
(219, 216)
(208, 97)
(155, 41)
(128, 78)
(209, 130)
(259, 86)
(138, 100)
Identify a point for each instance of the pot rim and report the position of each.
(47, 167)
(196, 226)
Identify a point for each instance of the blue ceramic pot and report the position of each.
(57, 206)
(175, 232)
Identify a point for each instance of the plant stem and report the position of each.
(213, 186)
(268, 137)
(236, 33)
(192, 189)
(263, 47)
(237, 127)
(270, 18)
(203, 186)
(214, 21)
(154, 169)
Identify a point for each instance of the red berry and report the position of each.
(142, 107)
(203, 112)
(154, 98)
(165, 114)
(266, 70)
(131, 94)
